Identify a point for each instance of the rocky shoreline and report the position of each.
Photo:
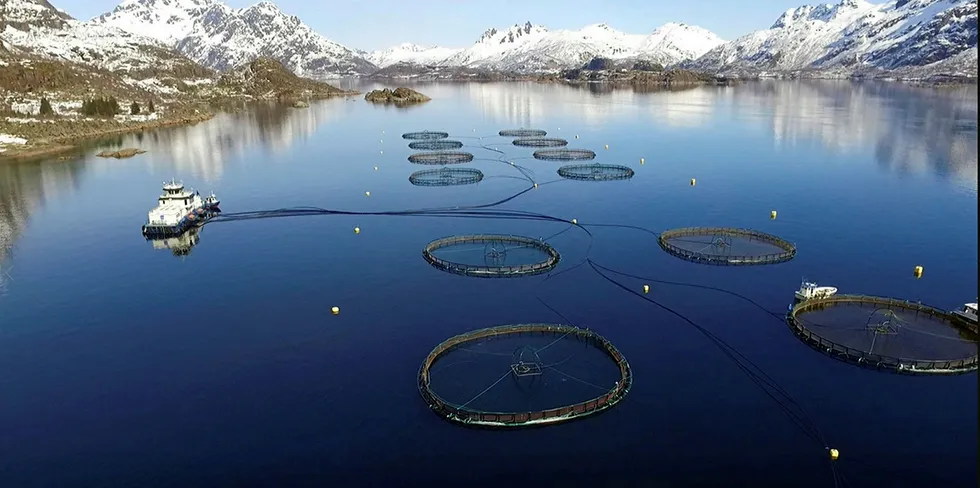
(40, 123)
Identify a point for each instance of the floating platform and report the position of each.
(886, 334)
(468, 416)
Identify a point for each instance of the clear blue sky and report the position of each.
(377, 24)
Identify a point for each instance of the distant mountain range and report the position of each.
(919, 38)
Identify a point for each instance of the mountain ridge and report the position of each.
(855, 37)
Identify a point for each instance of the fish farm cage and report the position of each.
(491, 255)
(595, 172)
(425, 135)
(446, 177)
(435, 145)
(726, 246)
(886, 334)
(564, 154)
(540, 142)
(538, 393)
(440, 157)
(523, 133)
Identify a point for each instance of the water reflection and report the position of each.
(26, 187)
(910, 129)
(906, 128)
(179, 245)
(202, 150)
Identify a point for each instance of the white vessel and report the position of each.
(809, 291)
(968, 313)
(177, 209)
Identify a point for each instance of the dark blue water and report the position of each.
(124, 365)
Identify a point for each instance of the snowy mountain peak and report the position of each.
(167, 21)
(822, 13)
(854, 36)
(220, 37)
(515, 33)
(533, 48)
(407, 52)
(26, 14)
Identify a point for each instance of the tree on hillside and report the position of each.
(103, 107)
(150, 108)
(45, 107)
(134, 109)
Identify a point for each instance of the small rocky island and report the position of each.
(400, 95)
(120, 154)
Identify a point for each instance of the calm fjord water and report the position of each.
(124, 365)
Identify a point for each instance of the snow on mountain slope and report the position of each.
(529, 47)
(221, 37)
(168, 21)
(672, 43)
(410, 53)
(37, 28)
(854, 35)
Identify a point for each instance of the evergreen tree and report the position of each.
(150, 108)
(45, 107)
(134, 109)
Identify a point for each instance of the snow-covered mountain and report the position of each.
(529, 47)
(221, 37)
(410, 53)
(855, 36)
(36, 28)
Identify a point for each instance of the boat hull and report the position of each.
(189, 221)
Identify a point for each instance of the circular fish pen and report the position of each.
(425, 135)
(491, 255)
(524, 375)
(446, 177)
(726, 246)
(440, 157)
(595, 172)
(522, 133)
(435, 145)
(564, 154)
(540, 142)
(886, 334)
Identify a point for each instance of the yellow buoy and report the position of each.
(834, 454)
(772, 215)
(367, 193)
(357, 230)
(335, 310)
(576, 136)
(535, 185)
(382, 132)
(375, 168)
(642, 160)
(382, 152)
(574, 221)
(559, 128)
(693, 182)
(918, 272)
(646, 288)
(607, 146)
(381, 141)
